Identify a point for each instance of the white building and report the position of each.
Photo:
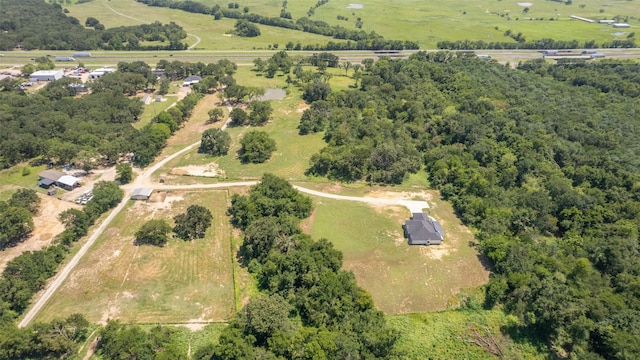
(46, 75)
(621, 25)
(98, 73)
(608, 22)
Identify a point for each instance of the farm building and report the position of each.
(48, 178)
(621, 25)
(68, 182)
(141, 194)
(423, 230)
(65, 58)
(608, 22)
(46, 75)
(98, 73)
(193, 79)
(82, 54)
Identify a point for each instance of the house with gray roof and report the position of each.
(48, 178)
(423, 230)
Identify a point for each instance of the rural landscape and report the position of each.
(328, 179)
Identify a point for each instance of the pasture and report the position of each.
(291, 158)
(401, 278)
(182, 282)
(422, 21)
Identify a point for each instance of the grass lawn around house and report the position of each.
(154, 109)
(401, 278)
(181, 282)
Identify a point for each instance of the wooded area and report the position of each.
(541, 161)
(36, 24)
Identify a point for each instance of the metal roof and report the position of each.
(68, 180)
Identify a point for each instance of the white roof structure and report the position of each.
(68, 180)
(47, 73)
(146, 192)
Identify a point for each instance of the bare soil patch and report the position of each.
(47, 226)
(209, 170)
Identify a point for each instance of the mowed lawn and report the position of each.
(401, 278)
(179, 283)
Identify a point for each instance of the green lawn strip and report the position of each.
(181, 282)
(152, 110)
(401, 278)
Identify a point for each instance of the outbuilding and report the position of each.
(98, 73)
(141, 194)
(46, 75)
(82, 54)
(423, 230)
(193, 79)
(65, 58)
(621, 25)
(68, 182)
(607, 22)
(48, 178)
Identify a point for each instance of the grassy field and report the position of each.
(448, 335)
(180, 283)
(402, 279)
(291, 158)
(13, 178)
(152, 110)
(424, 21)
(213, 34)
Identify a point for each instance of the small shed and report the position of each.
(68, 182)
(46, 75)
(423, 230)
(141, 194)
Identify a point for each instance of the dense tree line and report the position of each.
(359, 39)
(542, 161)
(540, 44)
(310, 308)
(35, 24)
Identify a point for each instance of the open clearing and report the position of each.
(182, 282)
(401, 278)
(46, 227)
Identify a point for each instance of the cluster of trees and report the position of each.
(541, 161)
(309, 308)
(188, 226)
(120, 341)
(359, 39)
(244, 28)
(522, 43)
(215, 142)
(176, 70)
(26, 274)
(36, 24)
(617, 76)
(58, 339)
(16, 217)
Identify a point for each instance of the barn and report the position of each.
(98, 73)
(46, 75)
(141, 194)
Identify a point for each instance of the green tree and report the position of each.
(264, 316)
(318, 90)
(125, 173)
(153, 232)
(164, 86)
(215, 142)
(256, 147)
(260, 113)
(215, 115)
(194, 223)
(244, 28)
(238, 117)
(25, 198)
(15, 224)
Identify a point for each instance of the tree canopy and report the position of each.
(256, 147)
(215, 142)
(153, 232)
(193, 223)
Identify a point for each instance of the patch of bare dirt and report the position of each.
(302, 107)
(424, 195)
(209, 170)
(46, 224)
